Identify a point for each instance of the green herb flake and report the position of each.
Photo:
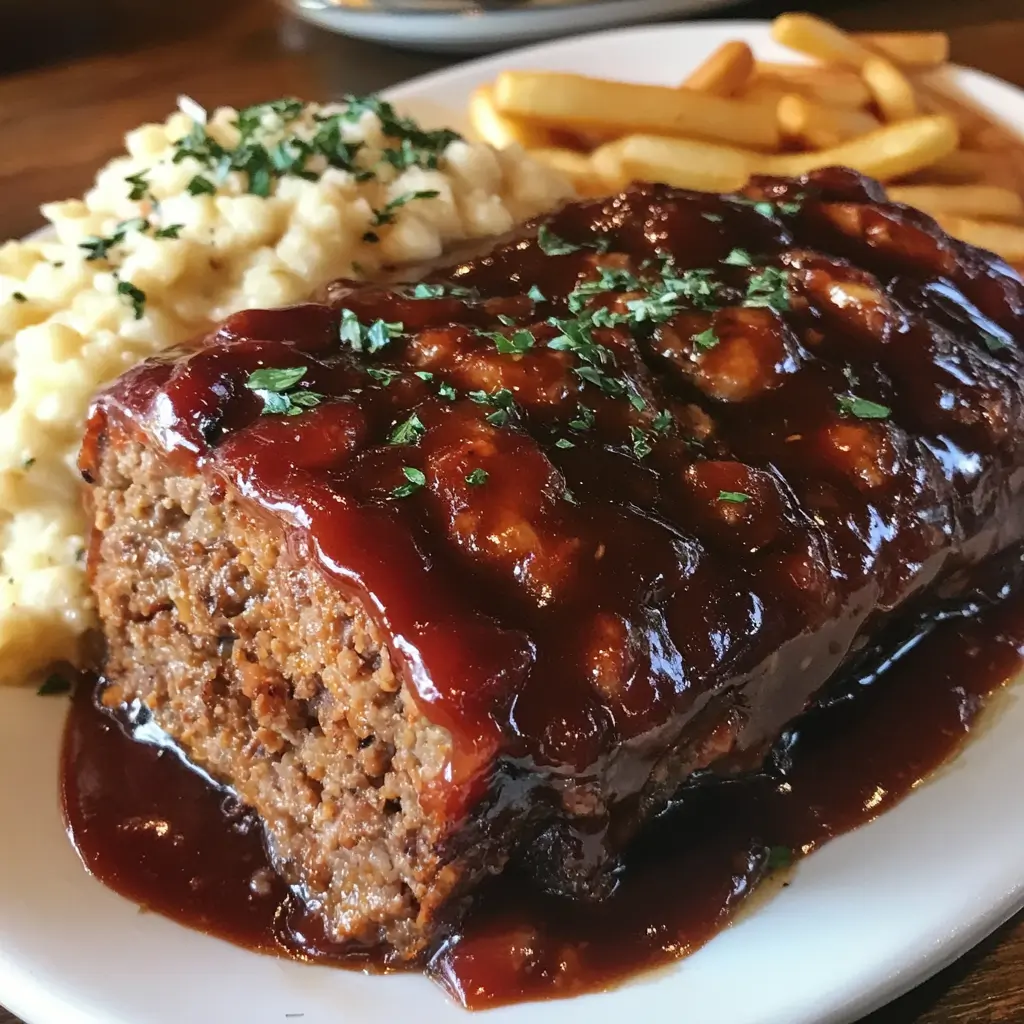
(477, 477)
(98, 248)
(428, 291)
(738, 258)
(705, 339)
(53, 685)
(735, 497)
(641, 442)
(637, 401)
(779, 857)
(276, 387)
(993, 342)
(382, 375)
(584, 418)
(28, 463)
(19, 297)
(551, 245)
(536, 294)
(564, 442)
(862, 408)
(515, 344)
(424, 374)
(768, 288)
(360, 338)
(447, 392)
(715, 218)
(386, 214)
(171, 231)
(139, 186)
(200, 186)
(662, 422)
(408, 432)
(136, 296)
(568, 496)
(415, 479)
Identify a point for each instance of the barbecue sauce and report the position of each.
(163, 836)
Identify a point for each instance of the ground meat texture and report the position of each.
(600, 514)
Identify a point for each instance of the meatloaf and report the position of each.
(480, 570)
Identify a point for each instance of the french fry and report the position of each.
(1006, 240)
(975, 201)
(578, 168)
(819, 39)
(940, 99)
(686, 163)
(889, 152)
(908, 49)
(575, 101)
(725, 72)
(961, 167)
(833, 86)
(892, 92)
(821, 127)
(498, 129)
(606, 161)
(765, 94)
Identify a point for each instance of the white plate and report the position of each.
(476, 30)
(866, 918)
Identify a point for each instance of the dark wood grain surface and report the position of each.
(75, 76)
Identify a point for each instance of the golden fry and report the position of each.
(942, 99)
(820, 39)
(499, 130)
(908, 49)
(892, 92)
(1006, 240)
(606, 161)
(686, 163)
(982, 201)
(574, 101)
(833, 86)
(819, 127)
(889, 152)
(725, 72)
(578, 168)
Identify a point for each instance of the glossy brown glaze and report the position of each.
(159, 834)
(688, 522)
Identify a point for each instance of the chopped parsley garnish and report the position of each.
(662, 421)
(514, 344)
(417, 147)
(569, 496)
(770, 209)
(276, 386)
(641, 442)
(136, 296)
(612, 386)
(171, 231)
(54, 684)
(446, 391)
(139, 185)
(584, 418)
(98, 248)
(564, 442)
(408, 432)
(19, 297)
(637, 401)
(386, 214)
(551, 245)
(705, 339)
(382, 374)
(536, 294)
(28, 463)
(200, 186)
(502, 399)
(768, 287)
(366, 339)
(779, 857)
(414, 480)
(715, 218)
(738, 258)
(993, 342)
(736, 497)
(477, 477)
(425, 290)
(862, 408)
(423, 374)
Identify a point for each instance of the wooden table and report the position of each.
(75, 76)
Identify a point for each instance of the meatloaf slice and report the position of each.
(486, 568)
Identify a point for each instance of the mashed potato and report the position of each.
(200, 218)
